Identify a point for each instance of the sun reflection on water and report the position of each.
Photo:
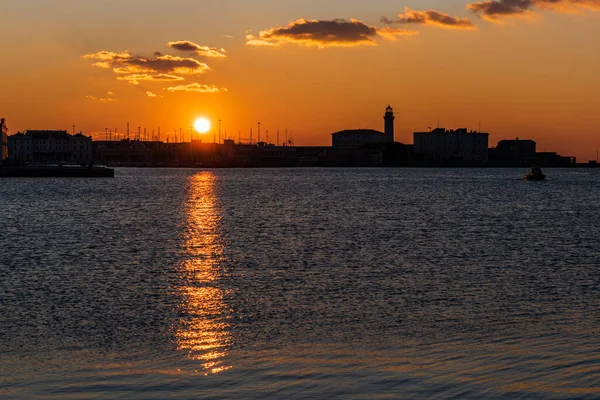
(203, 331)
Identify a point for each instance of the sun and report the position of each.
(202, 125)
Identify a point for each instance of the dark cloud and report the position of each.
(204, 51)
(125, 63)
(430, 17)
(324, 34)
(169, 64)
(493, 10)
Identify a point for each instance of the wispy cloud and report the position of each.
(430, 17)
(107, 56)
(109, 98)
(204, 51)
(196, 87)
(334, 33)
(136, 78)
(150, 94)
(495, 10)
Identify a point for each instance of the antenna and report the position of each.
(259, 132)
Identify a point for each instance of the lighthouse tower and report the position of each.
(389, 124)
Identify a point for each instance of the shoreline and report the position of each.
(446, 166)
(56, 172)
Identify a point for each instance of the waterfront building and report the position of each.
(50, 146)
(3, 141)
(452, 146)
(20, 147)
(552, 159)
(514, 153)
(355, 138)
(517, 148)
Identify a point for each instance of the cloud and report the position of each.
(109, 97)
(136, 78)
(127, 63)
(101, 99)
(159, 67)
(495, 10)
(196, 87)
(254, 41)
(334, 33)
(204, 51)
(101, 64)
(107, 56)
(430, 17)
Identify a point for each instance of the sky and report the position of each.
(514, 68)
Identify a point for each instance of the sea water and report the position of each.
(301, 283)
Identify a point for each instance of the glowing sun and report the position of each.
(202, 125)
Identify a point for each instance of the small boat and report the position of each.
(535, 174)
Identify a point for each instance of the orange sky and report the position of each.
(529, 71)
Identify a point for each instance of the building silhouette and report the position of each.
(49, 146)
(356, 138)
(513, 153)
(3, 141)
(460, 146)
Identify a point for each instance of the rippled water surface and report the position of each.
(301, 283)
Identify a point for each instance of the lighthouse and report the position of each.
(389, 125)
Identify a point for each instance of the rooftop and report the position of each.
(358, 131)
(456, 131)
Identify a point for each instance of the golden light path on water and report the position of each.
(203, 334)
